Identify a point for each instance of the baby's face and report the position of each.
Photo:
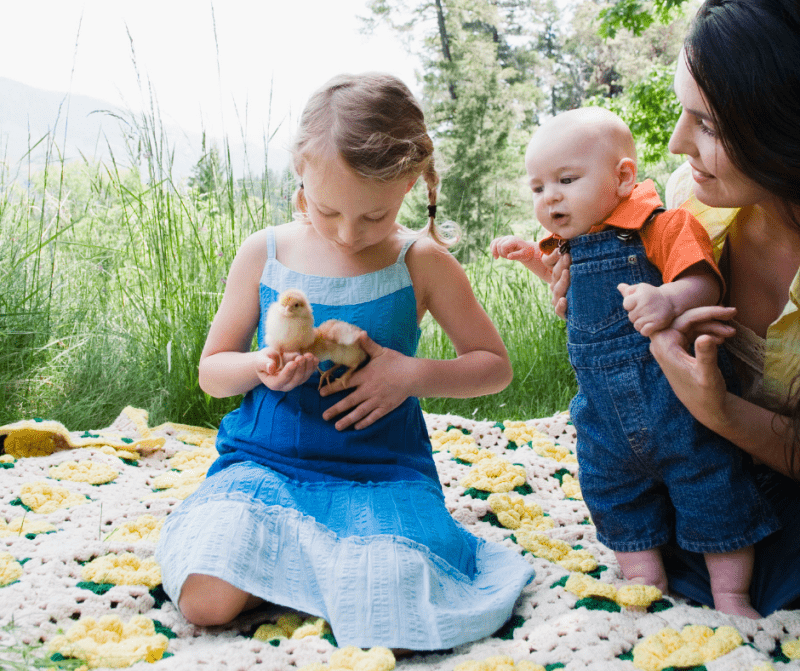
(573, 179)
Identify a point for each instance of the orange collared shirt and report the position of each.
(674, 240)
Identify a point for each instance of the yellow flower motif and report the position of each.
(695, 645)
(584, 586)
(556, 551)
(514, 513)
(571, 487)
(36, 438)
(20, 526)
(520, 433)
(124, 569)
(108, 642)
(628, 595)
(93, 472)
(314, 626)
(10, 569)
(443, 440)
(355, 659)
(791, 649)
(6, 459)
(194, 435)
(292, 625)
(197, 459)
(766, 666)
(172, 479)
(498, 663)
(179, 484)
(460, 445)
(144, 528)
(495, 475)
(471, 453)
(116, 452)
(43, 497)
(40, 439)
(637, 595)
(553, 451)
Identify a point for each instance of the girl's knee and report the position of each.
(207, 601)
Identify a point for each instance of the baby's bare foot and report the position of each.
(735, 604)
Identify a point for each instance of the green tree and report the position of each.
(481, 100)
(492, 69)
(637, 15)
(207, 174)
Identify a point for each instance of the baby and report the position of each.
(647, 468)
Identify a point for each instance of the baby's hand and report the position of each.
(649, 309)
(297, 368)
(514, 248)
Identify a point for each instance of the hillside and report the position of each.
(76, 126)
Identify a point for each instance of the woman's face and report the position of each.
(717, 182)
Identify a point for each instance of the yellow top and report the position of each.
(782, 345)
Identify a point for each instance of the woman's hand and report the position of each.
(379, 388)
(297, 368)
(696, 380)
(558, 265)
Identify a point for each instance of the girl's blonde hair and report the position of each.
(375, 124)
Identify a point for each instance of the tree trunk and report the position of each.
(445, 44)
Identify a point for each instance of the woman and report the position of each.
(740, 132)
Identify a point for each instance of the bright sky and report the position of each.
(284, 47)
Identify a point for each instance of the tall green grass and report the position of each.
(111, 274)
(519, 305)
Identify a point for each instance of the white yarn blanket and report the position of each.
(551, 626)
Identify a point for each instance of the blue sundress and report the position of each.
(350, 526)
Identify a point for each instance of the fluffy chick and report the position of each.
(337, 341)
(290, 324)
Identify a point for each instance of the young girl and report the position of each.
(328, 501)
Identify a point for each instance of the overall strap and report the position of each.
(270, 242)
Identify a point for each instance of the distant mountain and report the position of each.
(81, 126)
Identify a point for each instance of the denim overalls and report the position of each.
(649, 472)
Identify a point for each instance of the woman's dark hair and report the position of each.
(745, 57)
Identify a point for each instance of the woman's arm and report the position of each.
(481, 365)
(698, 383)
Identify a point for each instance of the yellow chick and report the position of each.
(337, 341)
(290, 324)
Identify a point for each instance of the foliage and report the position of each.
(492, 70)
(519, 305)
(636, 15)
(112, 275)
(479, 96)
(207, 172)
(651, 111)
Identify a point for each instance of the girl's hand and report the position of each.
(558, 266)
(297, 368)
(696, 380)
(378, 388)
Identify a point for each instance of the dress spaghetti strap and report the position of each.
(401, 258)
(271, 242)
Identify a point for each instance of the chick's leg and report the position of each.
(325, 376)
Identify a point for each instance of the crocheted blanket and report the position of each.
(80, 513)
